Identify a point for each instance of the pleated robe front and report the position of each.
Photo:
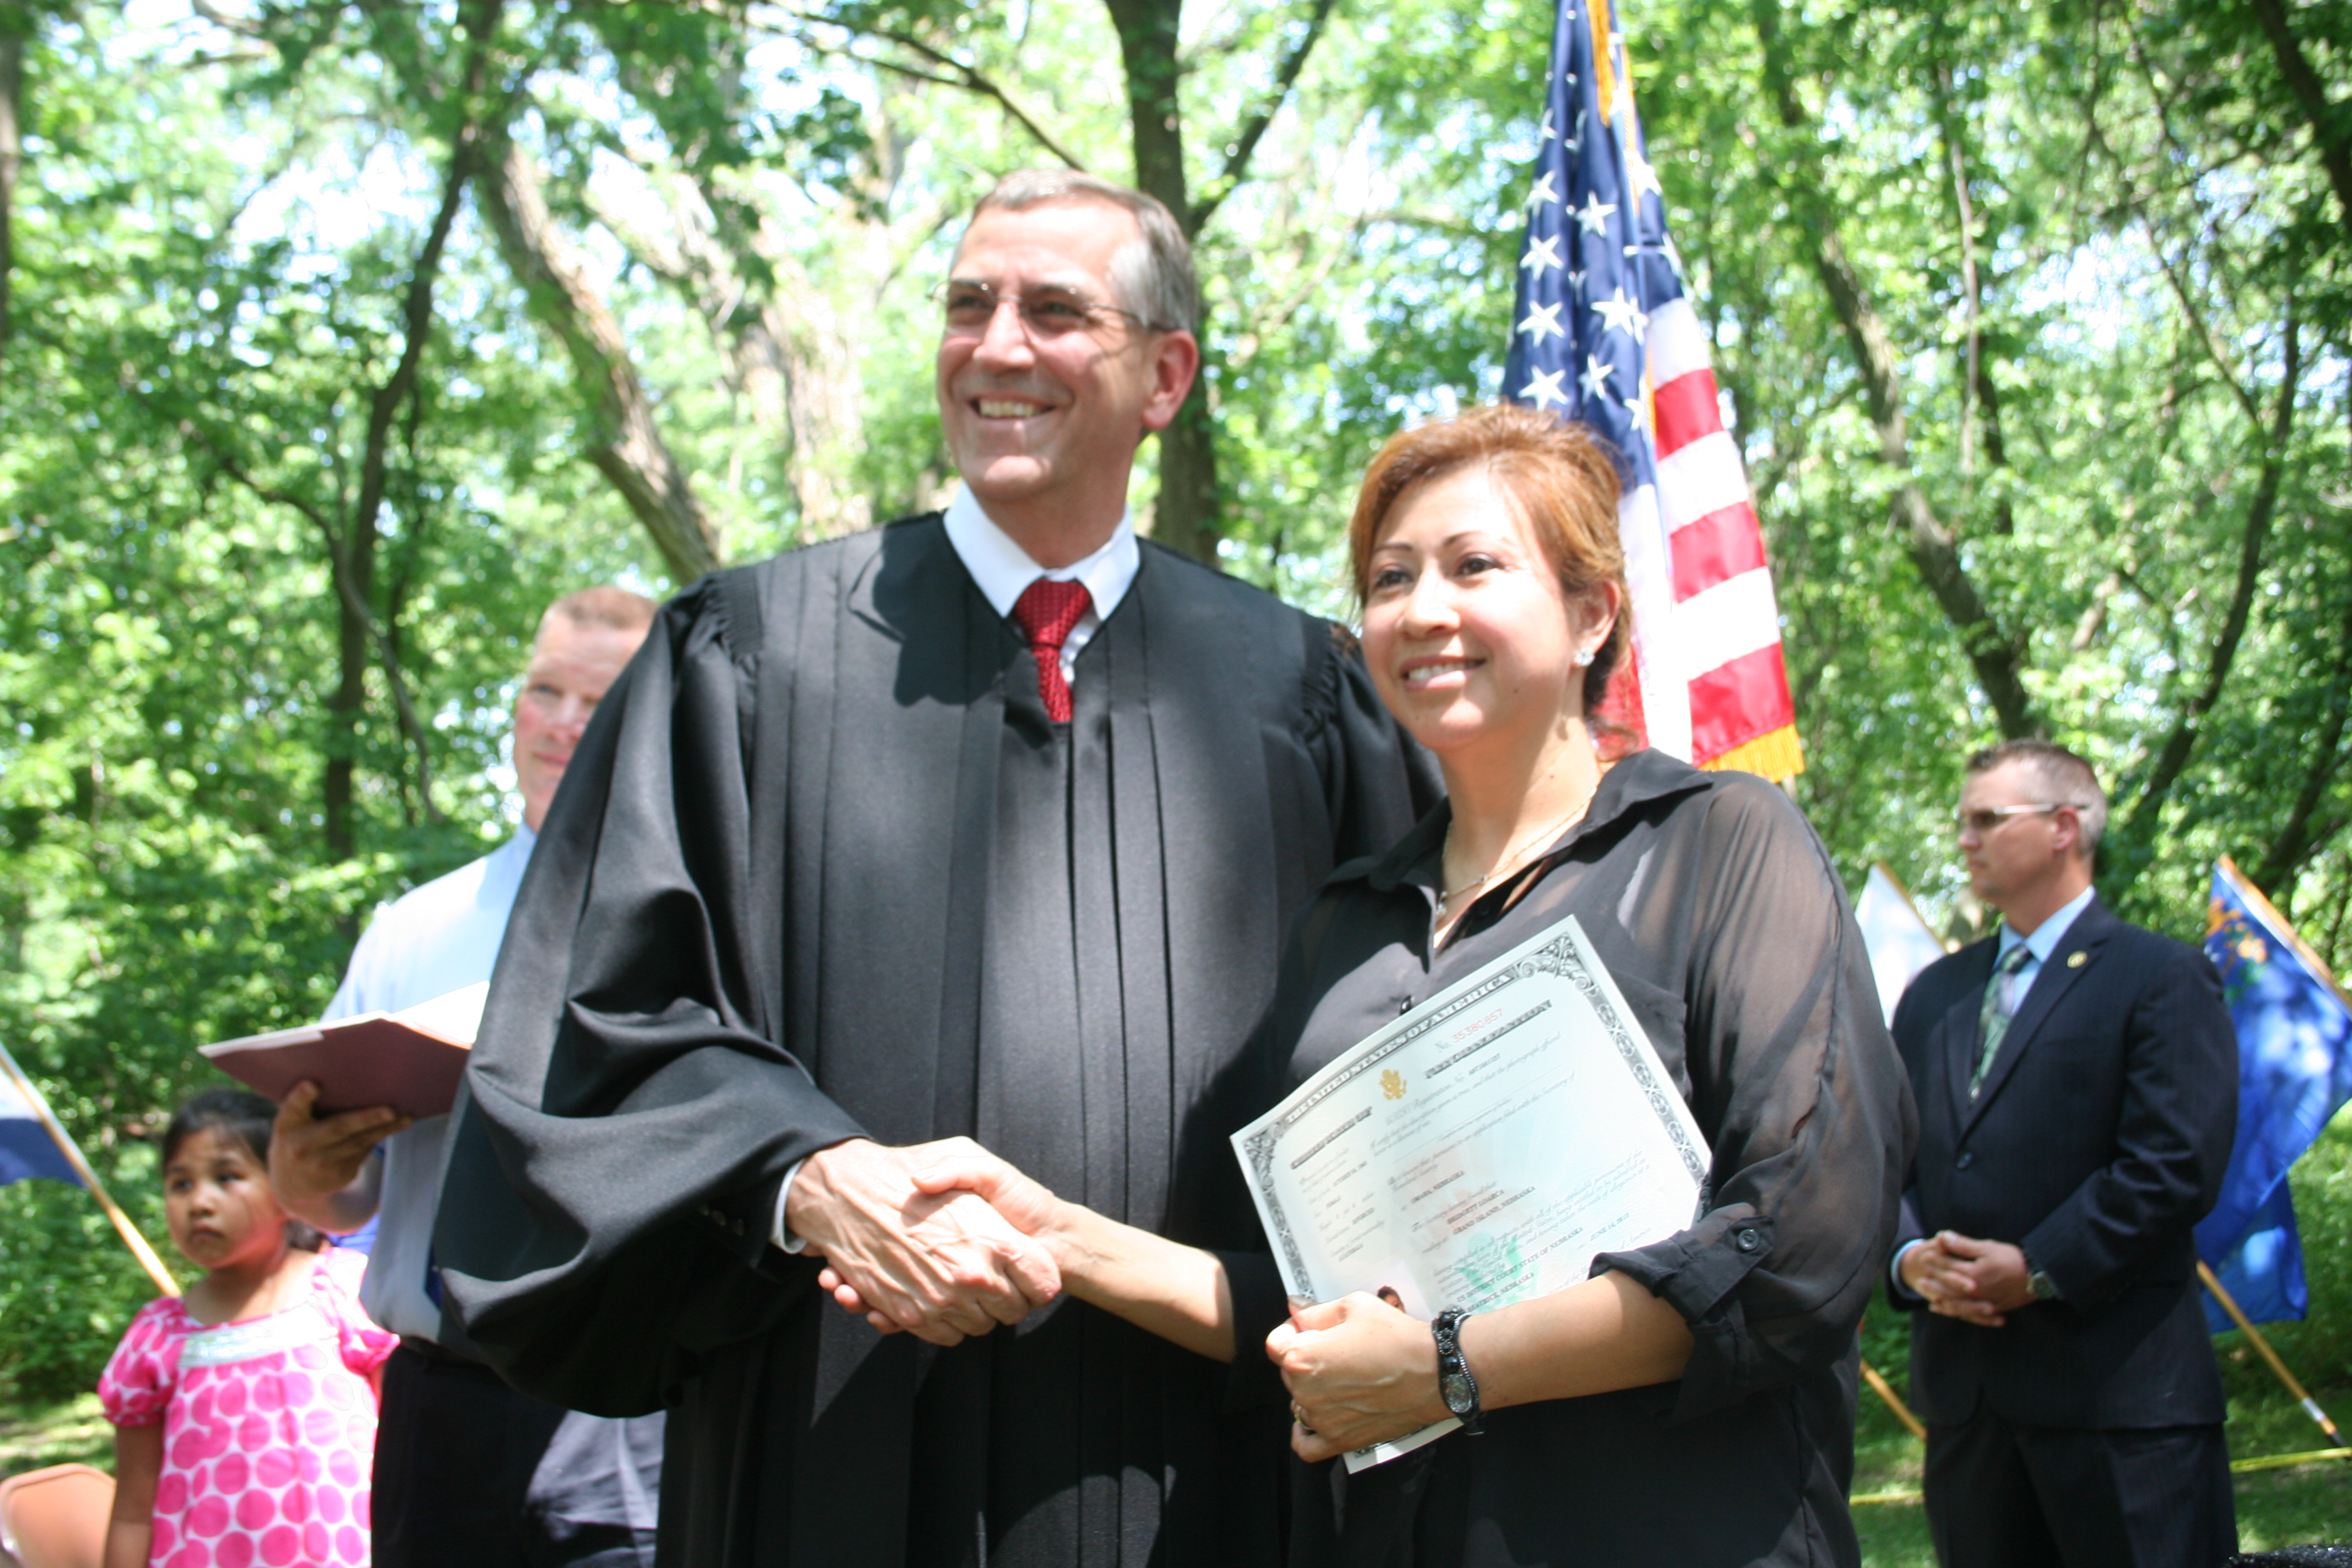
(822, 868)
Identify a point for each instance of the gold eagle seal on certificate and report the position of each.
(1392, 1084)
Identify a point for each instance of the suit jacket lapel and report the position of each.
(2050, 981)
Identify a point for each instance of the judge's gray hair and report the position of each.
(2065, 779)
(1153, 275)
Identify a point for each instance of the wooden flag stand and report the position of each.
(2254, 1337)
(65, 1146)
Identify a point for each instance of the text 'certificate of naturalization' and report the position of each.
(1480, 1151)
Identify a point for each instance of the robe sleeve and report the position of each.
(626, 1112)
(1804, 1100)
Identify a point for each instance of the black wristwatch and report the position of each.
(1454, 1384)
(2043, 1287)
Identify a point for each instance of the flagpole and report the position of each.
(72, 1152)
(1909, 902)
(1886, 1391)
(2310, 1405)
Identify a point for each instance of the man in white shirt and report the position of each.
(2077, 1083)
(467, 1470)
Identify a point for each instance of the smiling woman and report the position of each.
(1690, 1402)
(1494, 591)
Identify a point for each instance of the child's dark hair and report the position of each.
(246, 1117)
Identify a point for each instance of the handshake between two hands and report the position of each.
(939, 1240)
(945, 1241)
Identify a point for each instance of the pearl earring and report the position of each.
(1583, 658)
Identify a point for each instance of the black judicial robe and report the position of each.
(822, 867)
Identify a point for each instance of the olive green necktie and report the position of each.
(1999, 1007)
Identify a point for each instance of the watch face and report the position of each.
(1459, 1390)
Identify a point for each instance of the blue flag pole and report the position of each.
(132, 1238)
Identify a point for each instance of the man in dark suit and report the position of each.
(2077, 1082)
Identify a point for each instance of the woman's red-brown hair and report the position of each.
(1559, 476)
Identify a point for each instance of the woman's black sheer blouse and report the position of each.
(1719, 915)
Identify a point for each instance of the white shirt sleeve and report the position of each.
(779, 1233)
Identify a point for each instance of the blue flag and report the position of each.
(27, 1149)
(2294, 1070)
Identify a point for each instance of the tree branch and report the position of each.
(12, 157)
(417, 313)
(2296, 841)
(787, 352)
(969, 78)
(1253, 130)
(2174, 755)
(2325, 119)
(1997, 656)
(347, 592)
(627, 445)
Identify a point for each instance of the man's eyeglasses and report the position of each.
(1984, 819)
(967, 309)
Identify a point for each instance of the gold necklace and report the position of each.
(1510, 862)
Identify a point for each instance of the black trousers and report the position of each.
(2002, 1495)
(454, 1452)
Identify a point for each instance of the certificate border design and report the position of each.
(1562, 951)
(1561, 957)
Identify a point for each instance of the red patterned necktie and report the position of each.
(1046, 611)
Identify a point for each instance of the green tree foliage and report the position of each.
(340, 337)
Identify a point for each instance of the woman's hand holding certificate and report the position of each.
(1479, 1152)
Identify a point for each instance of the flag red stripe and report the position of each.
(1716, 549)
(1734, 703)
(1685, 409)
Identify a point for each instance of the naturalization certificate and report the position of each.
(1480, 1151)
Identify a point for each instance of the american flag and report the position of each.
(1603, 333)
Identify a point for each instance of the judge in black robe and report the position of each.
(827, 871)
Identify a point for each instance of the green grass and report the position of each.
(2276, 1508)
(73, 1431)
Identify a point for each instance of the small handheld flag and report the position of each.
(1603, 333)
(2294, 1071)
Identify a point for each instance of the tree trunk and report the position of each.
(1997, 656)
(795, 369)
(1185, 517)
(350, 559)
(2324, 120)
(2132, 846)
(625, 443)
(15, 23)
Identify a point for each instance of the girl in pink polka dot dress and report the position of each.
(244, 1412)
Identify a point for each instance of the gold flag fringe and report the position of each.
(1778, 755)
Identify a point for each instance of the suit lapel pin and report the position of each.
(2077, 959)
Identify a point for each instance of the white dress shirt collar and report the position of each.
(2050, 932)
(1003, 569)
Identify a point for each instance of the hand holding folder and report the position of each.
(410, 1060)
